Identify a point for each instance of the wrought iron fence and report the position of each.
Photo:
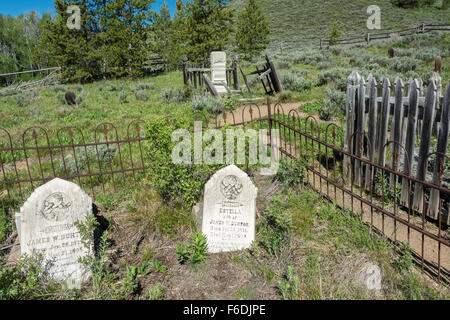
(363, 188)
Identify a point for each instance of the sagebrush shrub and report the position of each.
(334, 104)
(123, 97)
(283, 64)
(209, 103)
(21, 100)
(80, 98)
(337, 75)
(294, 82)
(403, 64)
(141, 95)
(174, 95)
(59, 88)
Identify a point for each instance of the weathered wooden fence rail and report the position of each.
(400, 126)
(194, 75)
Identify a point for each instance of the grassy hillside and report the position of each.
(309, 20)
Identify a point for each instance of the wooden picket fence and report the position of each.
(413, 119)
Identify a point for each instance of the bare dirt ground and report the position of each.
(220, 278)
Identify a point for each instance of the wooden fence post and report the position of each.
(185, 73)
(273, 75)
(384, 120)
(433, 207)
(360, 138)
(396, 128)
(352, 83)
(372, 90)
(428, 117)
(410, 134)
(235, 74)
(438, 64)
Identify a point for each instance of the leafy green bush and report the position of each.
(157, 292)
(27, 280)
(195, 252)
(289, 285)
(5, 226)
(275, 227)
(175, 183)
(291, 174)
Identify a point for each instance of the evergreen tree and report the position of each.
(252, 35)
(70, 48)
(162, 42)
(125, 36)
(203, 26)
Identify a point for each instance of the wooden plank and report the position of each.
(372, 116)
(424, 148)
(410, 134)
(236, 85)
(360, 139)
(273, 75)
(396, 127)
(433, 208)
(405, 124)
(384, 119)
(195, 79)
(210, 86)
(245, 80)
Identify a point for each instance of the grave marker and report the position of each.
(46, 224)
(229, 210)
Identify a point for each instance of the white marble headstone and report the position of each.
(46, 224)
(229, 209)
(219, 70)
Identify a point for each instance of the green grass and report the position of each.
(327, 248)
(293, 22)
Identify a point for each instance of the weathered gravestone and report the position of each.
(229, 208)
(219, 71)
(46, 225)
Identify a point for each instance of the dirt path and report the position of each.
(242, 114)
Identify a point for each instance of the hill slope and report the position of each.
(306, 21)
